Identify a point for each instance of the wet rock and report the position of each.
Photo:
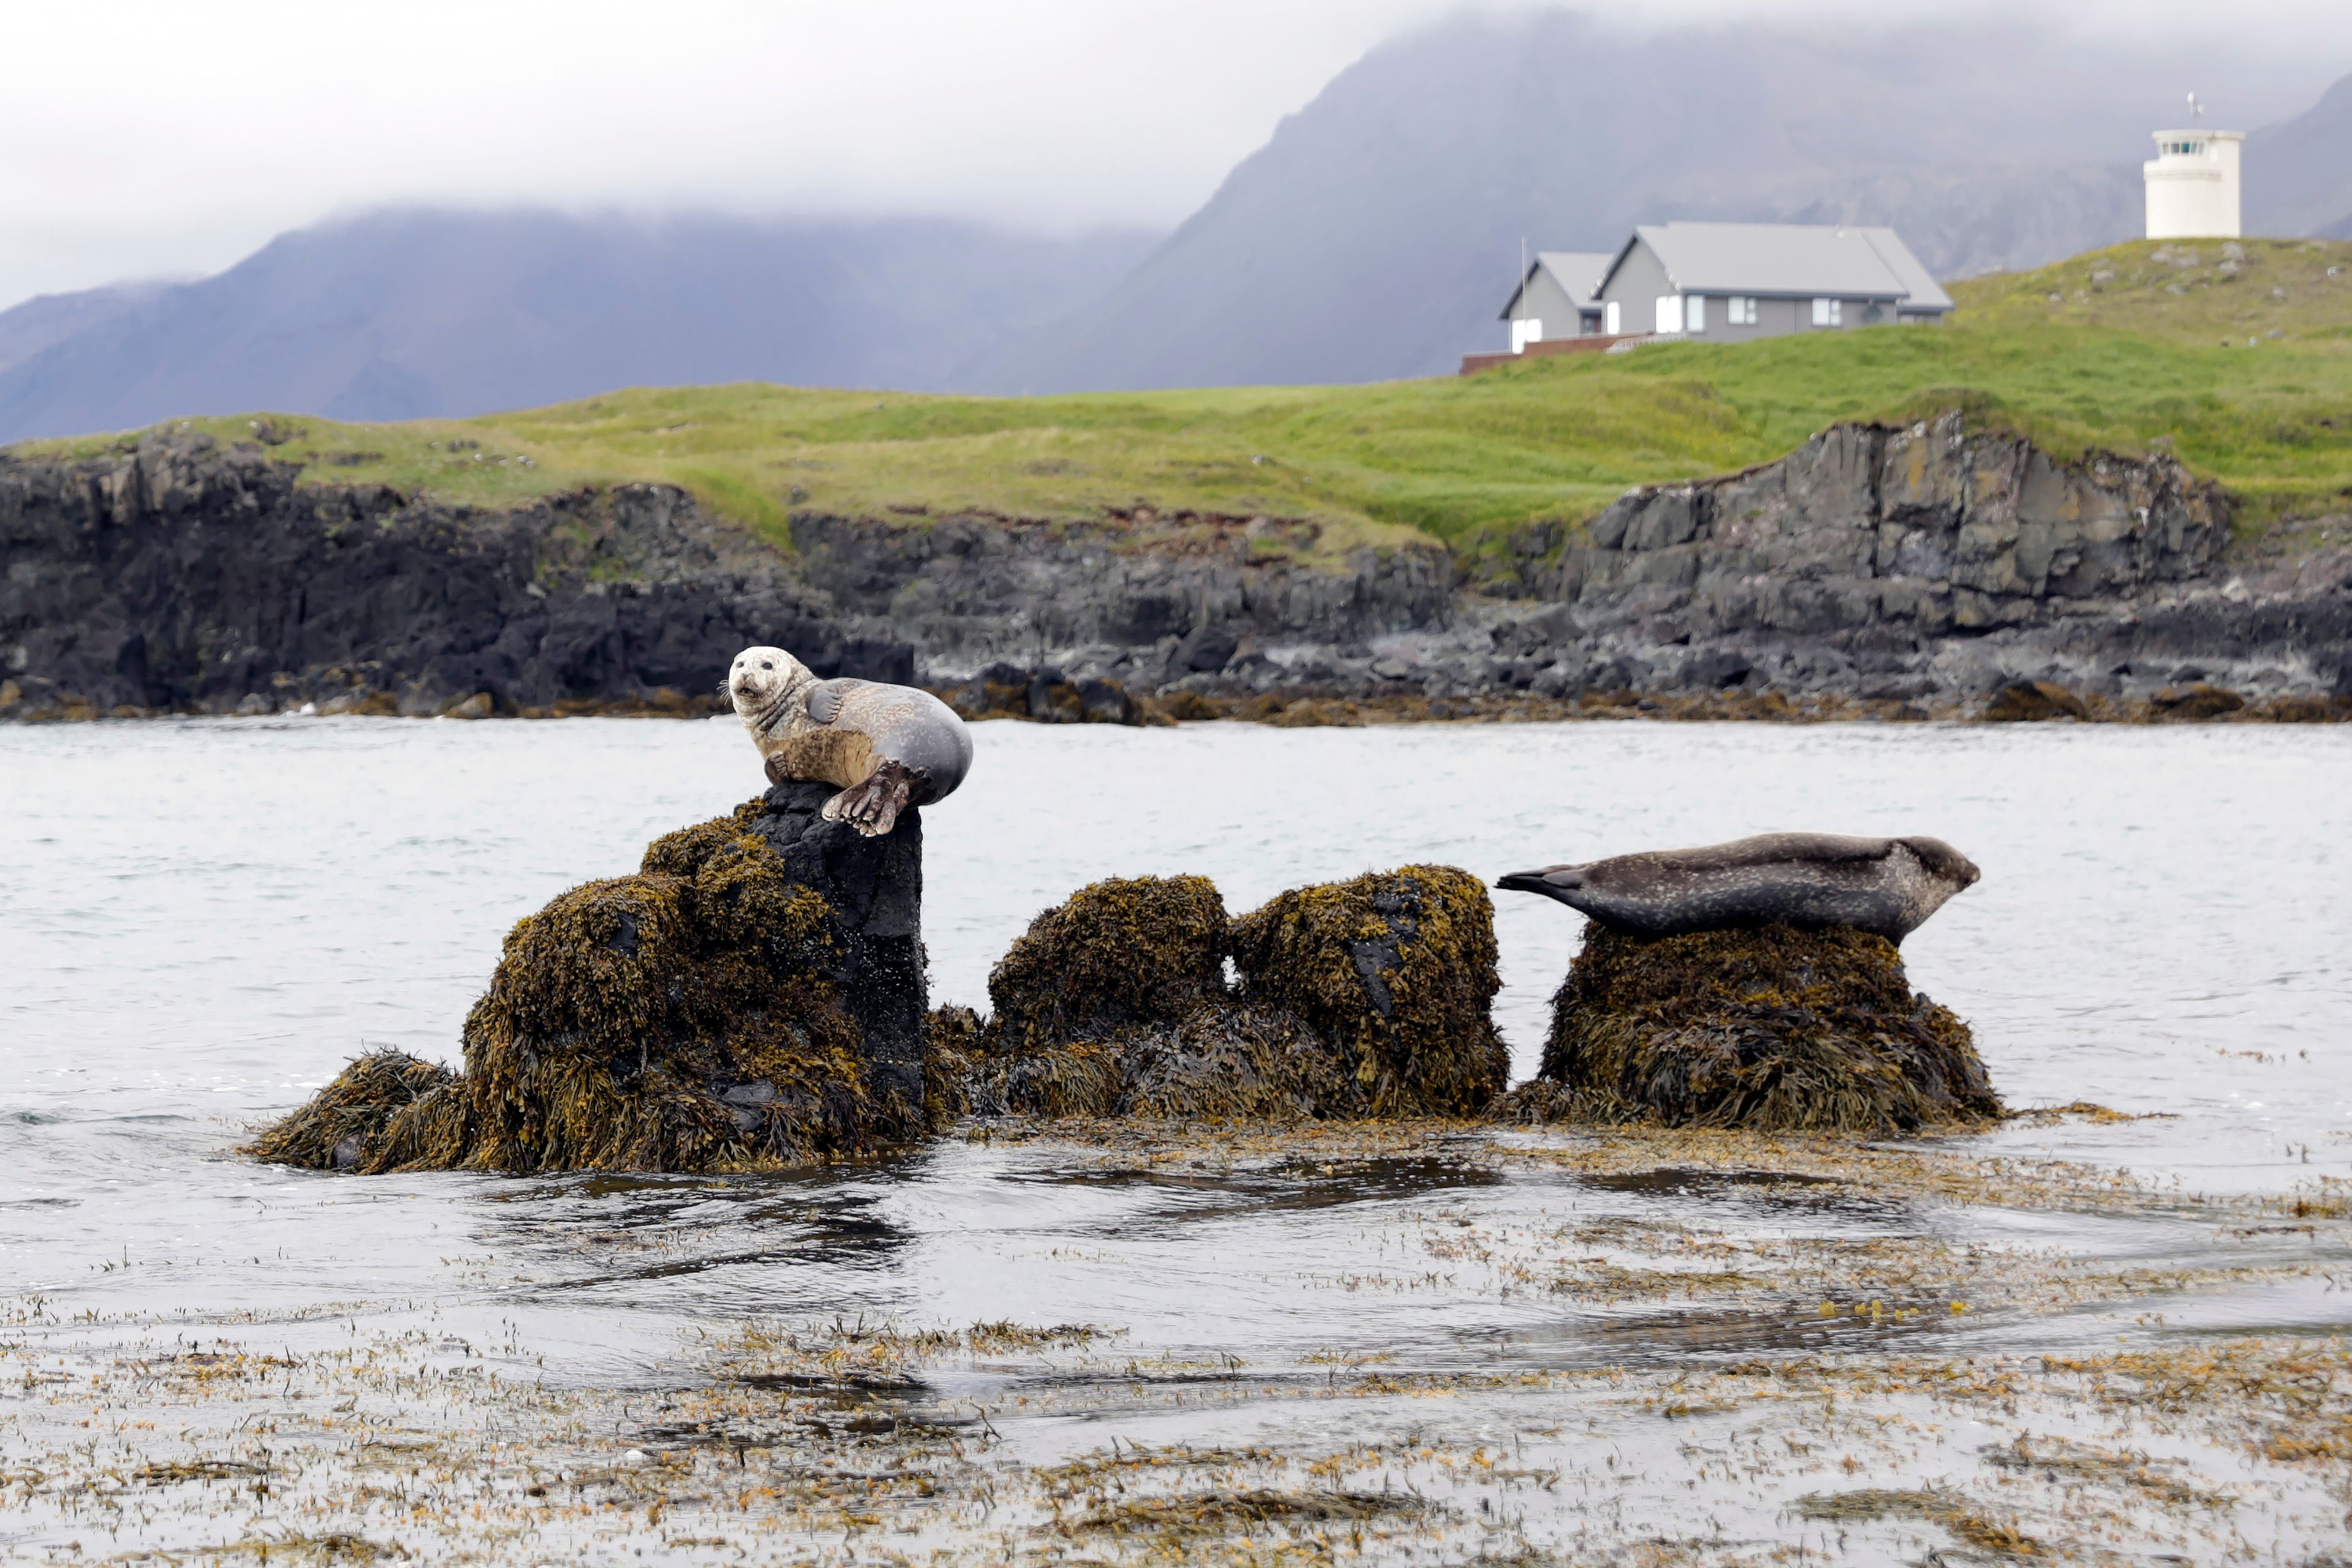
(2195, 702)
(1203, 651)
(752, 997)
(2025, 701)
(1106, 703)
(1775, 1028)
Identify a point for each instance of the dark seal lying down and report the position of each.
(1885, 886)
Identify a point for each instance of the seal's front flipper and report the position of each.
(873, 806)
(824, 699)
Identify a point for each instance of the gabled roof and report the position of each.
(1578, 273)
(1787, 258)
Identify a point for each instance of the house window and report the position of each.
(1670, 313)
(1740, 309)
(1695, 312)
(1829, 313)
(1612, 319)
(1526, 329)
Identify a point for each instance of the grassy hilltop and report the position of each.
(2244, 366)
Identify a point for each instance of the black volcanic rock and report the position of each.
(1902, 565)
(186, 576)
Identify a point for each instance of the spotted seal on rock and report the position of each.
(1886, 886)
(889, 747)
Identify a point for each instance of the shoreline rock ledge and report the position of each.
(752, 998)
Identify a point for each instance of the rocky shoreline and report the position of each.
(1926, 570)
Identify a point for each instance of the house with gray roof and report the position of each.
(1557, 297)
(1727, 282)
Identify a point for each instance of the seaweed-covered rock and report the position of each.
(1221, 1062)
(682, 852)
(752, 997)
(1370, 998)
(343, 1124)
(1395, 968)
(1237, 1061)
(1123, 951)
(951, 1050)
(1774, 1028)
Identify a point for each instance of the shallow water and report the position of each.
(204, 920)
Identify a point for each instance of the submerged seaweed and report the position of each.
(1773, 1028)
(689, 1017)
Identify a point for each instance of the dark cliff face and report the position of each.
(1146, 599)
(1925, 562)
(187, 577)
(1895, 564)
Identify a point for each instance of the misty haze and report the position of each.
(1300, 785)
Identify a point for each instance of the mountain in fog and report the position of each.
(403, 314)
(37, 323)
(2299, 175)
(1378, 232)
(1376, 235)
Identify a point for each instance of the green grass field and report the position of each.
(2245, 367)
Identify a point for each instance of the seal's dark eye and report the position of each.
(765, 665)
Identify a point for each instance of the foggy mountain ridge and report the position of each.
(2299, 173)
(408, 313)
(28, 328)
(1375, 234)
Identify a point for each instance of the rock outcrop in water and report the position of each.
(1924, 569)
(1363, 998)
(752, 997)
(1771, 1029)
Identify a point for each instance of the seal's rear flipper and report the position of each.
(1552, 881)
(873, 806)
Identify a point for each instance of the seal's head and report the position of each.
(761, 680)
(1943, 863)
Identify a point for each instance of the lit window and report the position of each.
(1829, 313)
(1670, 313)
(1740, 309)
(1695, 313)
(1614, 319)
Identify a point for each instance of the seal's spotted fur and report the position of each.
(1885, 886)
(887, 747)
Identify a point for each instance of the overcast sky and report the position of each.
(143, 138)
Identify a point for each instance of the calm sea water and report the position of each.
(200, 921)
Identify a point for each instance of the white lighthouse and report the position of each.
(2192, 183)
